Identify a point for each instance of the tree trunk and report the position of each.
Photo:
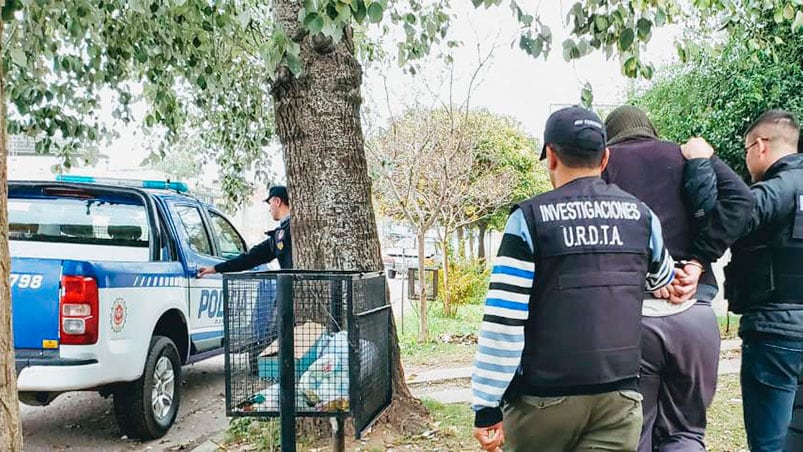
(461, 244)
(447, 298)
(318, 123)
(10, 427)
(471, 245)
(483, 226)
(422, 295)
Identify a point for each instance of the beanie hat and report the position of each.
(628, 122)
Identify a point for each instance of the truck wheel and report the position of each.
(146, 408)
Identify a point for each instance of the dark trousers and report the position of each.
(771, 371)
(679, 362)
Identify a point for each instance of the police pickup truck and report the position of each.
(105, 295)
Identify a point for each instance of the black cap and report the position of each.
(575, 129)
(279, 191)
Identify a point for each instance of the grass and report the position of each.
(725, 432)
(728, 326)
(436, 352)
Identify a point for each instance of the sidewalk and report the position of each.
(449, 385)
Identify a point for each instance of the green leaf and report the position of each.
(477, 3)
(630, 67)
(626, 39)
(778, 16)
(314, 23)
(526, 20)
(359, 10)
(601, 23)
(201, 82)
(294, 64)
(660, 18)
(375, 12)
(587, 96)
(18, 57)
(644, 27)
(798, 23)
(788, 12)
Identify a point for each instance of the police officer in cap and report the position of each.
(277, 246)
(764, 280)
(557, 362)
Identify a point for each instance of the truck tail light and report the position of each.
(78, 308)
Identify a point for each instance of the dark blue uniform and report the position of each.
(277, 246)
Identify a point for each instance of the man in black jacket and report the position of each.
(764, 281)
(277, 246)
(680, 341)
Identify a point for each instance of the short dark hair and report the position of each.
(572, 158)
(781, 118)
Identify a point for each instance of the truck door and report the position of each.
(204, 296)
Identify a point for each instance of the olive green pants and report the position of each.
(609, 421)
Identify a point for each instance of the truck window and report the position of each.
(94, 221)
(193, 225)
(230, 243)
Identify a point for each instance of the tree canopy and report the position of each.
(723, 91)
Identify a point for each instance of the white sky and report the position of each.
(513, 84)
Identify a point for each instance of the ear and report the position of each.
(551, 159)
(763, 146)
(605, 158)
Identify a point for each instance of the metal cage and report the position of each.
(307, 344)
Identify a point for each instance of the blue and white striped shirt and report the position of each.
(501, 337)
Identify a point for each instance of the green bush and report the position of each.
(721, 92)
(468, 284)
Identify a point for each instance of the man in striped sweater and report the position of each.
(558, 355)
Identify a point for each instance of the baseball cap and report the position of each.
(280, 192)
(574, 129)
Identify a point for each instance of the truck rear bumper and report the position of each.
(46, 371)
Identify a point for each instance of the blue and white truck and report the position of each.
(105, 295)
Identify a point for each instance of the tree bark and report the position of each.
(318, 123)
(461, 243)
(10, 427)
(447, 298)
(471, 245)
(422, 295)
(483, 226)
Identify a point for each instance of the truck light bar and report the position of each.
(180, 187)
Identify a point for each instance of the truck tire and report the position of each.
(146, 408)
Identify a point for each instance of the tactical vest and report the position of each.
(767, 266)
(591, 243)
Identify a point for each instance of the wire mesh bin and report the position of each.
(304, 343)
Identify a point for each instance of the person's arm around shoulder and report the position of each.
(501, 338)
(723, 199)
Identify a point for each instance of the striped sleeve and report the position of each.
(501, 338)
(662, 267)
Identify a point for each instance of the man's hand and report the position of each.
(490, 438)
(697, 148)
(684, 286)
(662, 294)
(203, 271)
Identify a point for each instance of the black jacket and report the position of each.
(773, 214)
(277, 246)
(653, 171)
